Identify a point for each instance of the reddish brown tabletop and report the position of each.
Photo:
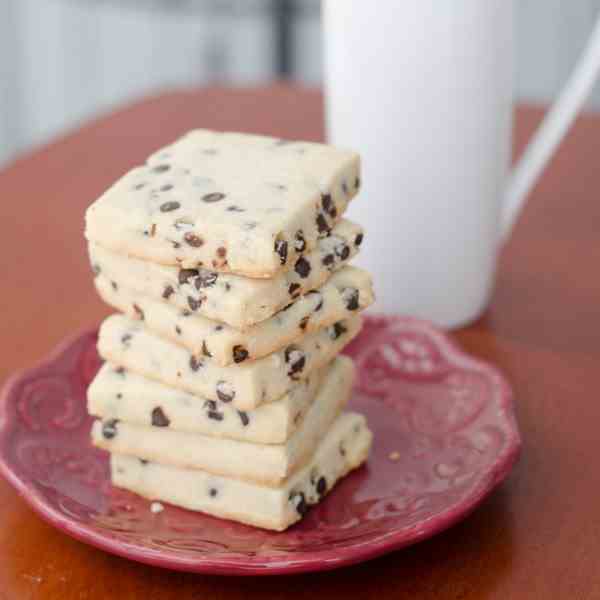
(537, 537)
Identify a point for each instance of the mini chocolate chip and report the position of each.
(321, 486)
(357, 182)
(96, 269)
(240, 354)
(193, 240)
(120, 370)
(213, 197)
(215, 415)
(119, 396)
(225, 392)
(176, 245)
(167, 187)
(328, 260)
(322, 224)
(185, 312)
(336, 330)
(221, 252)
(159, 419)
(194, 303)
(177, 329)
(236, 209)
(205, 351)
(342, 449)
(205, 279)
(210, 404)
(296, 359)
(342, 250)
(350, 297)
(185, 275)
(139, 312)
(300, 242)
(126, 338)
(114, 285)
(243, 417)
(250, 225)
(195, 363)
(302, 267)
(139, 186)
(345, 188)
(299, 500)
(169, 206)
(227, 286)
(109, 429)
(219, 327)
(358, 239)
(304, 322)
(212, 492)
(167, 292)
(294, 287)
(143, 462)
(328, 205)
(161, 168)
(281, 248)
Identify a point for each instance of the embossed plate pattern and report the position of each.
(445, 436)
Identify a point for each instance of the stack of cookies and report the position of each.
(226, 256)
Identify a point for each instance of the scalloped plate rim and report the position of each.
(319, 560)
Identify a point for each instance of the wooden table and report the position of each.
(537, 537)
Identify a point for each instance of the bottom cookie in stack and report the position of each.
(344, 448)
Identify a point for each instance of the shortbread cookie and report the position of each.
(346, 293)
(237, 301)
(230, 202)
(345, 447)
(128, 344)
(134, 399)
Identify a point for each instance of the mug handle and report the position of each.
(552, 130)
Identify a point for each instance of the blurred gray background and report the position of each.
(64, 61)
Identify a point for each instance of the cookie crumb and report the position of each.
(156, 507)
(394, 456)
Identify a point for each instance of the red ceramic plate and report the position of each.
(445, 436)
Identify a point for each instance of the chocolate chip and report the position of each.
(300, 242)
(296, 360)
(342, 449)
(328, 205)
(167, 292)
(342, 250)
(120, 370)
(350, 298)
(126, 338)
(119, 396)
(240, 354)
(221, 252)
(358, 239)
(227, 286)
(281, 248)
(321, 486)
(319, 305)
(304, 322)
(114, 285)
(109, 429)
(96, 269)
(328, 260)
(143, 462)
(185, 275)
(139, 312)
(292, 290)
(336, 330)
(302, 267)
(322, 224)
(195, 363)
(244, 418)
(159, 419)
(357, 182)
(161, 168)
(213, 197)
(176, 245)
(194, 303)
(236, 209)
(212, 492)
(166, 188)
(205, 351)
(169, 206)
(215, 415)
(205, 279)
(177, 329)
(219, 327)
(299, 501)
(225, 393)
(193, 240)
(185, 312)
(345, 188)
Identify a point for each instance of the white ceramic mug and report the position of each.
(423, 89)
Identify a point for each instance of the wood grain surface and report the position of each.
(537, 537)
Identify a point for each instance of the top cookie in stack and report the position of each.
(229, 256)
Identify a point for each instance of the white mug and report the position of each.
(423, 89)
